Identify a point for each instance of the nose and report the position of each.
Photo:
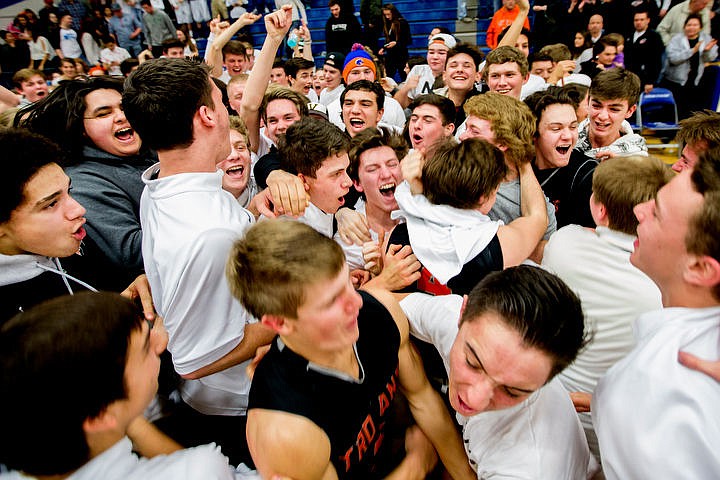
(234, 155)
(641, 210)
(346, 181)
(480, 394)
(74, 210)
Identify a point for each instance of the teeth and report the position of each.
(357, 123)
(387, 186)
(238, 168)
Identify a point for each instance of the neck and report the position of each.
(193, 159)
(341, 360)
(688, 296)
(378, 219)
(599, 142)
(457, 96)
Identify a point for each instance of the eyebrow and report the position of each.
(52, 195)
(509, 387)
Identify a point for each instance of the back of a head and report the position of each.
(443, 104)
(62, 362)
(161, 98)
(512, 123)
(557, 51)
(60, 115)
(30, 153)
(538, 305)
(308, 142)
(621, 183)
(616, 84)
(269, 268)
(458, 175)
(703, 236)
(506, 54)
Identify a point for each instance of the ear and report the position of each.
(103, 422)
(380, 114)
(702, 271)
(206, 116)
(277, 324)
(630, 111)
(357, 185)
(527, 77)
(449, 129)
(304, 180)
(462, 307)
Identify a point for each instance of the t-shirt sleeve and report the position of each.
(433, 319)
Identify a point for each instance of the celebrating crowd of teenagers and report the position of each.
(247, 267)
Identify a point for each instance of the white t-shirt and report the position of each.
(117, 55)
(120, 463)
(540, 438)
(329, 96)
(655, 418)
(189, 225)
(425, 85)
(596, 265)
(69, 43)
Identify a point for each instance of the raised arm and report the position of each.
(516, 26)
(519, 238)
(223, 35)
(277, 25)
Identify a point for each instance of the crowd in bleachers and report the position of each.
(459, 265)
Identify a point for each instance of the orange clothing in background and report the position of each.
(502, 19)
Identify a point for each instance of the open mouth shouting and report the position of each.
(387, 190)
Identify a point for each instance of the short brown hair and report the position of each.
(270, 268)
(511, 121)
(277, 92)
(460, 174)
(700, 128)
(373, 138)
(237, 124)
(616, 83)
(25, 74)
(557, 51)
(621, 183)
(703, 236)
(308, 143)
(506, 54)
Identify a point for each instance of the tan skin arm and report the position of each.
(277, 25)
(287, 445)
(520, 237)
(516, 26)
(426, 405)
(256, 335)
(148, 440)
(214, 57)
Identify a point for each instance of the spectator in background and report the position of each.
(69, 45)
(674, 22)
(644, 51)
(397, 40)
(502, 19)
(687, 54)
(127, 30)
(342, 29)
(157, 27)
